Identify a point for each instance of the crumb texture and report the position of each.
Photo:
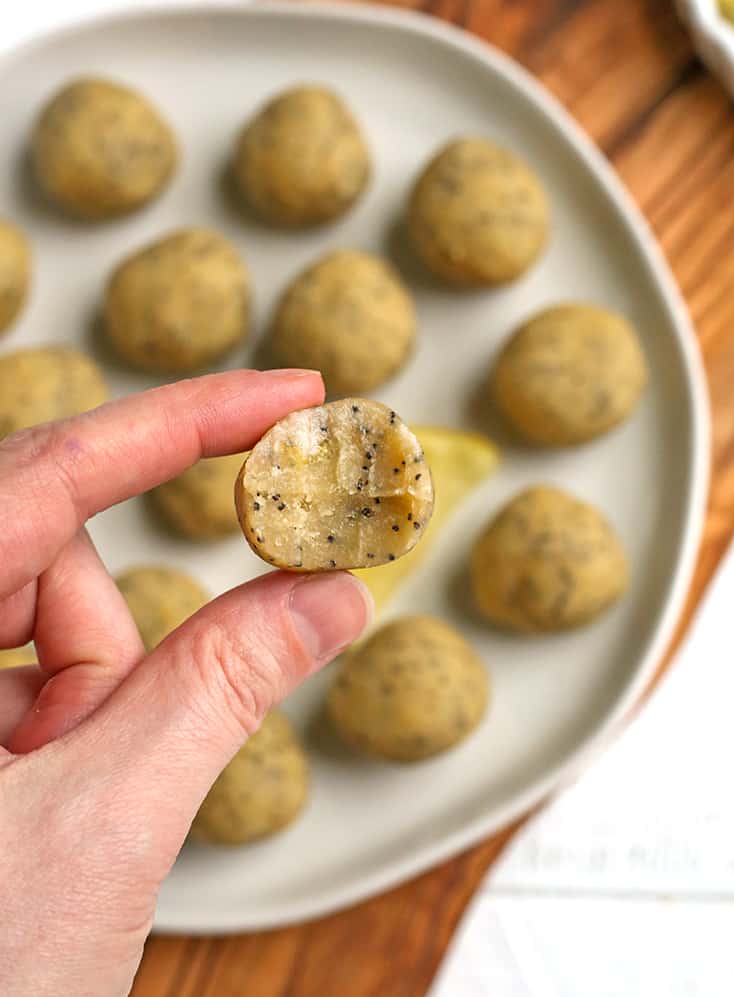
(343, 485)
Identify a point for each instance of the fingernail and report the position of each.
(290, 372)
(329, 611)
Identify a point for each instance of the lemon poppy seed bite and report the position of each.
(100, 149)
(302, 159)
(340, 486)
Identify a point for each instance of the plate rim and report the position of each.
(698, 465)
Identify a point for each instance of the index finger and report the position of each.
(56, 476)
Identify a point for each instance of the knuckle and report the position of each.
(242, 680)
(48, 455)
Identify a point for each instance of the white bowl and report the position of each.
(713, 37)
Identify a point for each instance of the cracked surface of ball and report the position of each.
(178, 304)
(100, 149)
(160, 599)
(261, 791)
(302, 159)
(548, 561)
(415, 688)
(350, 317)
(477, 214)
(342, 485)
(568, 375)
(200, 502)
(15, 272)
(45, 383)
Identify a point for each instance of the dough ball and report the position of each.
(569, 374)
(15, 272)
(14, 657)
(477, 215)
(348, 316)
(179, 304)
(45, 383)
(200, 502)
(342, 485)
(262, 789)
(547, 562)
(100, 149)
(160, 599)
(302, 159)
(414, 689)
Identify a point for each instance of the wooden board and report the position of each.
(627, 72)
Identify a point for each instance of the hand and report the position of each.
(106, 753)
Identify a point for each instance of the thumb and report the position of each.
(165, 734)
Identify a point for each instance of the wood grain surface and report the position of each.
(626, 71)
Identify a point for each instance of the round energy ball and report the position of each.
(569, 374)
(414, 689)
(200, 502)
(100, 149)
(45, 383)
(547, 562)
(262, 790)
(302, 159)
(178, 304)
(160, 599)
(349, 316)
(15, 272)
(477, 214)
(338, 486)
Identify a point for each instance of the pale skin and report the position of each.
(106, 752)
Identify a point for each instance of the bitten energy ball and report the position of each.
(569, 374)
(159, 600)
(414, 689)
(200, 502)
(100, 149)
(302, 159)
(45, 383)
(477, 215)
(262, 789)
(343, 485)
(348, 316)
(547, 562)
(179, 304)
(15, 272)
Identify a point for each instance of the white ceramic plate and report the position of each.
(412, 82)
(713, 36)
